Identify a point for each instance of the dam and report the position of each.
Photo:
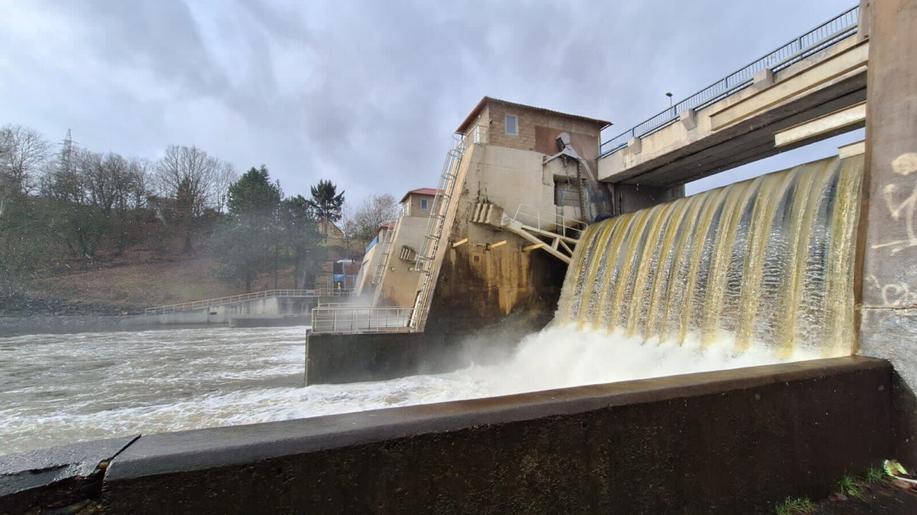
(598, 341)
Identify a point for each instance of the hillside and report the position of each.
(128, 286)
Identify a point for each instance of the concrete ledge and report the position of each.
(346, 358)
(729, 442)
(57, 477)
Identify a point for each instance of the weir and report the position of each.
(766, 262)
(811, 262)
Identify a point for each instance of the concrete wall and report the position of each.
(447, 344)
(717, 442)
(399, 282)
(366, 281)
(367, 270)
(266, 307)
(481, 283)
(888, 236)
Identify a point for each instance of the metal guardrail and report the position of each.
(340, 319)
(232, 299)
(559, 224)
(823, 36)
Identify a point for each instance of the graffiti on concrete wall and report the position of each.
(895, 295)
(904, 165)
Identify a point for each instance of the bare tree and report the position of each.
(189, 176)
(372, 212)
(113, 183)
(189, 173)
(23, 151)
(225, 177)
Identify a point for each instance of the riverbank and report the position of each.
(65, 324)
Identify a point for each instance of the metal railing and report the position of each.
(341, 319)
(243, 297)
(821, 37)
(558, 223)
(529, 215)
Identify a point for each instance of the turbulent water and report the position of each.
(60, 388)
(56, 389)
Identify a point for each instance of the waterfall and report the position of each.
(765, 262)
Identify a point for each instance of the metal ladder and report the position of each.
(426, 258)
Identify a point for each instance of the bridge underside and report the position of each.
(742, 128)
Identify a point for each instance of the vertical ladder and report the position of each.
(426, 258)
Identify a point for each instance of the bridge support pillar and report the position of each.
(887, 267)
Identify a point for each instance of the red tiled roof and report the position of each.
(477, 109)
(420, 191)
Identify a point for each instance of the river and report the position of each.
(60, 388)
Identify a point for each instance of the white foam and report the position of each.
(56, 389)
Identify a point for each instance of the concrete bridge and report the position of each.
(809, 88)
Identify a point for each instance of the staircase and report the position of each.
(427, 261)
(557, 238)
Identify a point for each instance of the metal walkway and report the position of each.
(557, 238)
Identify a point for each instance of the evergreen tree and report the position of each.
(326, 202)
(248, 242)
(302, 239)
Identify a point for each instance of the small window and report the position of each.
(423, 203)
(512, 125)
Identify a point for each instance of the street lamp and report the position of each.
(669, 94)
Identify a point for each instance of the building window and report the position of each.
(423, 203)
(566, 192)
(511, 124)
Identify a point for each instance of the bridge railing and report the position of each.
(340, 319)
(821, 37)
(243, 297)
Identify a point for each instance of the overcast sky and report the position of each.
(364, 93)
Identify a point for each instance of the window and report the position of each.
(423, 203)
(566, 192)
(511, 124)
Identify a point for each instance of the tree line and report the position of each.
(69, 207)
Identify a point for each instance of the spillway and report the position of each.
(766, 263)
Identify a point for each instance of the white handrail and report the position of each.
(339, 319)
(242, 297)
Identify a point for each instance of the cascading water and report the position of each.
(764, 263)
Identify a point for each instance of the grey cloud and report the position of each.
(368, 93)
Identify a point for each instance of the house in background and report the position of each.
(388, 270)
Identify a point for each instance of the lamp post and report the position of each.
(669, 94)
